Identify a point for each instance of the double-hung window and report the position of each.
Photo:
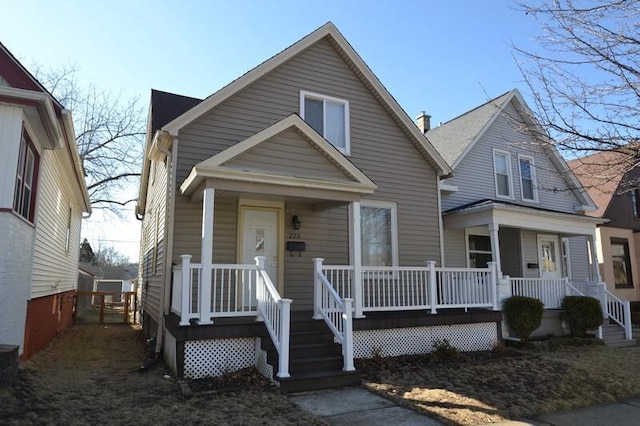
(479, 250)
(24, 195)
(502, 170)
(621, 262)
(378, 232)
(527, 178)
(329, 117)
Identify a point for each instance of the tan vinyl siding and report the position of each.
(455, 255)
(153, 241)
(55, 269)
(288, 154)
(379, 148)
(474, 176)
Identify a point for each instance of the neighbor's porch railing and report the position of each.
(336, 312)
(550, 291)
(413, 288)
(619, 311)
(236, 290)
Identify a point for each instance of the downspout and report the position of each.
(440, 221)
(165, 297)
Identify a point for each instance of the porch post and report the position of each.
(347, 344)
(595, 273)
(495, 246)
(356, 257)
(185, 305)
(317, 287)
(432, 285)
(206, 255)
(493, 285)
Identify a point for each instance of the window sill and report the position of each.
(623, 286)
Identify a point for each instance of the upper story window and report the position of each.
(621, 262)
(328, 116)
(635, 200)
(378, 227)
(24, 196)
(527, 178)
(502, 170)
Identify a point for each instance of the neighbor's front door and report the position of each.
(549, 255)
(260, 238)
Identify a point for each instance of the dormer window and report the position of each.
(502, 170)
(329, 117)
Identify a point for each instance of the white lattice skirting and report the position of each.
(420, 340)
(207, 358)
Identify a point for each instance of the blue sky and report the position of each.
(444, 57)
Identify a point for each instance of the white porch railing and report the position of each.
(413, 288)
(336, 312)
(550, 291)
(236, 290)
(619, 311)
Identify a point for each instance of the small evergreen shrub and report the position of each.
(444, 350)
(524, 314)
(582, 313)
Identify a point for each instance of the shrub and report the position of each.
(524, 315)
(581, 313)
(444, 350)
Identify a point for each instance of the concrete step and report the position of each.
(621, 343)
(319, 380)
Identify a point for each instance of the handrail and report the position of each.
(336, 313)
(276, 314)
(620, 311)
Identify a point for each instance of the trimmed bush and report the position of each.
(524, 314)
(582, 313)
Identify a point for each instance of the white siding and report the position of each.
(16, 246)
(474, 175)
(529, 241)
(10, 131)
(55, 269)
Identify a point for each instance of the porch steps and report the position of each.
(613, 335)
(315, 360)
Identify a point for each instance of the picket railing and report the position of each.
(550, 291)
(236, 290)
(414, 287)
(337, 313)
(619, 311)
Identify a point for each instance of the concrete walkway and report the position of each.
(357, 406)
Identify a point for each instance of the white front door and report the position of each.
(260, 238)
(549, 256)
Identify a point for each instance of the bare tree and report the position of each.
(585, 78)
(109, 135)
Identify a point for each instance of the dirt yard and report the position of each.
(89, 375)
(511, 385)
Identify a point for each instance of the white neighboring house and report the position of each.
(43, 196)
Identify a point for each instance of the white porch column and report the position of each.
(356, 257)
(595, 268)
(495, 246)
(206, 256)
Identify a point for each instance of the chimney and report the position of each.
(424, 122)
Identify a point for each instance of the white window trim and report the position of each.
(394, 226)
(509, 172)
(347, 132)
(565, 251)
(533, 178)
(475, 230)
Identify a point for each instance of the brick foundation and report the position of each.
(46, 317)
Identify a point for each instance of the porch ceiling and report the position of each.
(503, 214)
(288, 159)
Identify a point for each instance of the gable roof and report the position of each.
(601, 175)
(351, 57)
(218, 166)
(457, 136)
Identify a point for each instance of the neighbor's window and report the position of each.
(328, 116)
(635, 200)
(621, 262)
(479, 251)
(502, 169)
(24, 196)
(378, 226)
(527, 178)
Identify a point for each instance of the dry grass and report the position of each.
(514, 385)
(89, 375)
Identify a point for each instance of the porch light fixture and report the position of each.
(295, 221)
